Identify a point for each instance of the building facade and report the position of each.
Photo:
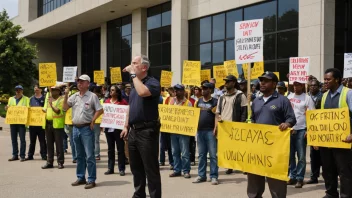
(99, 34)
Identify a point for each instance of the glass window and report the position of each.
(270, 66)
(194, 32)
(154, 55)
(166, 34)
(265, 11)
(166, 54)
(284, 40)
(166, 14)
(219, 27)
(126, 26)
(159, 16)
(156, 71)
(205, 53)
(288, 14)
(126, 42)
(230, 50)
(205, 29)
(154, 36)
(269, 47)
(231, 18)
(283, 67)
(194, 53)
(154, 21)
(218, 52)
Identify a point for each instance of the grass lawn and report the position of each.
(2, 110)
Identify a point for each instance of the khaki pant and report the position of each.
(126, 150)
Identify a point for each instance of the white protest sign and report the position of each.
(114, 116)
(347, 71)
(249, 41)
(69, 74)
(299, 69)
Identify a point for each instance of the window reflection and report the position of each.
(46, 6)
(205, 29)
(159, 16)
(219, 27)
(231, 18)
(218, 52)
(265, 11)
(205, 54)
(284, 40)
(288, 14)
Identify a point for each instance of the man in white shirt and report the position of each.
(300, 102)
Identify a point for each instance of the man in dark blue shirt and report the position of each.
(273, 109)
(37, 101)
(144, 127)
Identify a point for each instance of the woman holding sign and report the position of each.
(113, 136)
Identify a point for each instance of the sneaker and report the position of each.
(199, 180)
(175, 174)
(109, 172)
(90, 185)
(22, 160)
(74, 161)
(292, 182)
(186, 175)
(161, 164)
(60, 166)
(13, 159)
(299, 184)
(214, 181)
(122, 173)
(229, 171)
(46, 166)
(79, 182)
(171, 167)
(312, 181)
(29, 158)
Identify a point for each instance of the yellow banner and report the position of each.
(166, 78)
(205, 75)
(99, 77)
(191, 73)
(328, 127)
(231, 68)
(256, 71)
(36, 116)
(98, 120)
(47, 74)
(219, 73)
(179, 119)
(68, 117)
(115, 75)
(277, 74)
(17, 115)
(254, 148)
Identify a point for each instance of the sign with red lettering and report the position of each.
(114, 116)
(249, 41)
(347, 72)
(299, 69)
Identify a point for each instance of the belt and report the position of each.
(142, 125)
(81, 125)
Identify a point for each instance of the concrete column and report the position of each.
(103, 48)
(316, 34)
(179, 38)
(139, 31)
(79, 54)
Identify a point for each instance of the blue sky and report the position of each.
(11, 6)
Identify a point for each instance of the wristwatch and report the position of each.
(133, 76)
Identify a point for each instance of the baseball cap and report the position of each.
(128, 86)
(269, 75)
(230, 78)
(84, 77)
(280, 84)
(19, 87)
(242, 80)
(179, 87)
(208, 85)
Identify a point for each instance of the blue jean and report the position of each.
(64, 138)
(72, 143)
(298, 144)
(18, 130)
(165, 145)
(207, 142)
(97, 140)
(180, 153)
(84, 143)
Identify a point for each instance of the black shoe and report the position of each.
(229, 171)
(22, 160)
(109, 172)
(60, 166)
(292, 182)
(312, 181)
(122, 173)
(46, 166)
(175, 174)
(79, 182)
(74, 161)
(161, 164)
(299, 184)
(90, 185)
(44, 158)
(13, 159)
(29, 158)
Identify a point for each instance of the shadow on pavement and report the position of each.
(113, 183)
(232, 180)
(291, 190)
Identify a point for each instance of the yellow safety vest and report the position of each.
(184, 104)
(58, 119)
(23, 102)
(342, 99)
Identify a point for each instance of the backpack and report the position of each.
(236, 114)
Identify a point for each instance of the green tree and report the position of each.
(16, 57)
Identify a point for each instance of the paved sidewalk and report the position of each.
(27, 180)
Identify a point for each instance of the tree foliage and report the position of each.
(16, 57)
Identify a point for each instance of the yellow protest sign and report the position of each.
(205, 75)
(17, 115)
(99, 77)
(254, 148)
(166, 78)
(231, 68)
(277, 74)
(328, 127)
(68, 117)
(47, 74)
(98, 120)
(115, 75)
(256, 71)
(191, 73)
(219, 73)
(179, 119)
(36, 116)
(245, 70)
